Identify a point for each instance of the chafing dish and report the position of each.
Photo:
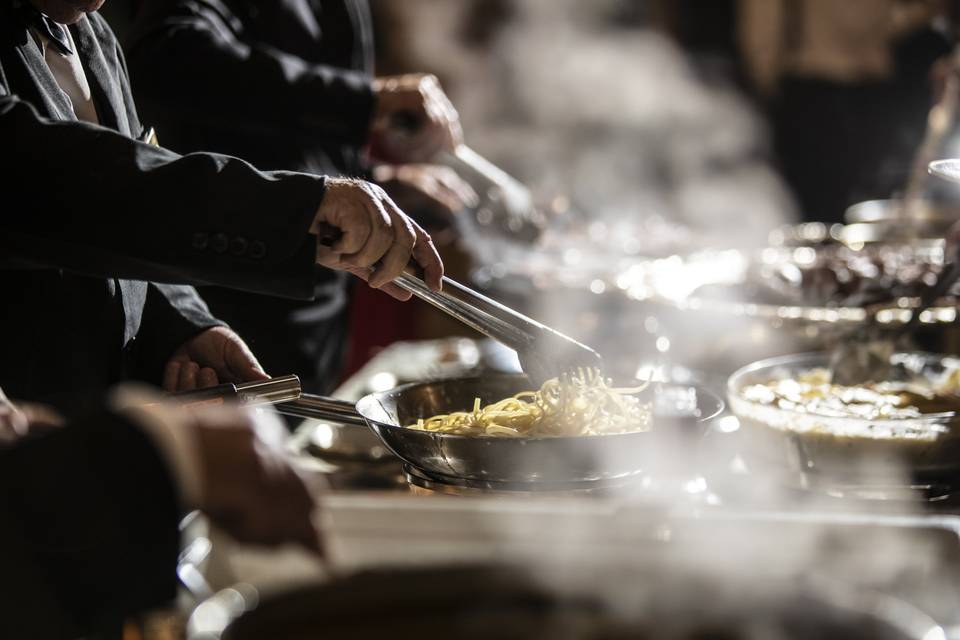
(719, 310)
(847, 439)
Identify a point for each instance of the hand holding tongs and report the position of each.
(544, 352)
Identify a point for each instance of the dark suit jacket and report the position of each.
(88, 530)
(89, 216)
(285, 84)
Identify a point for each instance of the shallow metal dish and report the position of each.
(541, 460)
(480, 602)
(680, 416)
(707, 308)
(811, 442)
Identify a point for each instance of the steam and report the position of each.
(616, 126)
(612, 118)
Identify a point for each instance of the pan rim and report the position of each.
(372, 398)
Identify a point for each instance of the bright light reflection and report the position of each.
(383, 381)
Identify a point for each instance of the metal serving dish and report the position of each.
(506, 602)
(680, 415)
(847, 448)
(724, 309)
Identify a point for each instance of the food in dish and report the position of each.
(886, 403)
(789, 407)
(582, 404)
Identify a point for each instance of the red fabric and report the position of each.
(376, 321)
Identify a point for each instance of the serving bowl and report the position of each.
(818, 439)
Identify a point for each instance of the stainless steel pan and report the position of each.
(680, 413)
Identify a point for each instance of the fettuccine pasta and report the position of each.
(577, 405)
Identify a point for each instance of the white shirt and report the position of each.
(68, 71)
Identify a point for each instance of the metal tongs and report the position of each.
(544, 352)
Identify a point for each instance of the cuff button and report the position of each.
(258, 250)
(238, 246)
(220, 242)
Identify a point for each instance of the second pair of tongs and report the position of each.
(544, 352)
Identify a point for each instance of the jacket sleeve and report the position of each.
(172, 314)
(88, 521)
(248, 86)
(85, 198)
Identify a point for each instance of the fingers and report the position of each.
(171, 374)
(207, 378)
(380, 238)
(241, 363)
(390, 289)
(13, 423)
(249, 484)
(426, 255)
(397, 258)
(40, 417)
(187, 380)
(451, 181)
(393, 240)
(441, 112)
(354, 207)
(422, 96)
(442, 185)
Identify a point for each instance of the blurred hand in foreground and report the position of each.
(414, 120)
(230, 463)
(19, 419)
(248, 484)
(211, 357)
(378, 239)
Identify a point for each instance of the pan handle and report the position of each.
(322, 408)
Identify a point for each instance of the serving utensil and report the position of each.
(680, 413)
(947, 169)
(272, 391)
(544, 352)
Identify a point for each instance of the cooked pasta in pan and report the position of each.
(581, 404)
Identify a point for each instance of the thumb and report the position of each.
(243, 365)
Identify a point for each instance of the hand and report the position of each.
(248, 485)
(17, 420)
(213, 356)
(234, 467)
(434, 190)
(13, 423)
(378, 239)
(434, 123)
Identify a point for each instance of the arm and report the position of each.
(91, 200)
(194, 47)
(88, 520)
(89, 511)
(173, 314)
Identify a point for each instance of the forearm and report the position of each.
(95, 508)
(247, 86)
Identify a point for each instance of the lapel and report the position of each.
(104, 87)
(54, 100)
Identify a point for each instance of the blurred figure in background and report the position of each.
(289, 85)
(849, 86)
(846, 86)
